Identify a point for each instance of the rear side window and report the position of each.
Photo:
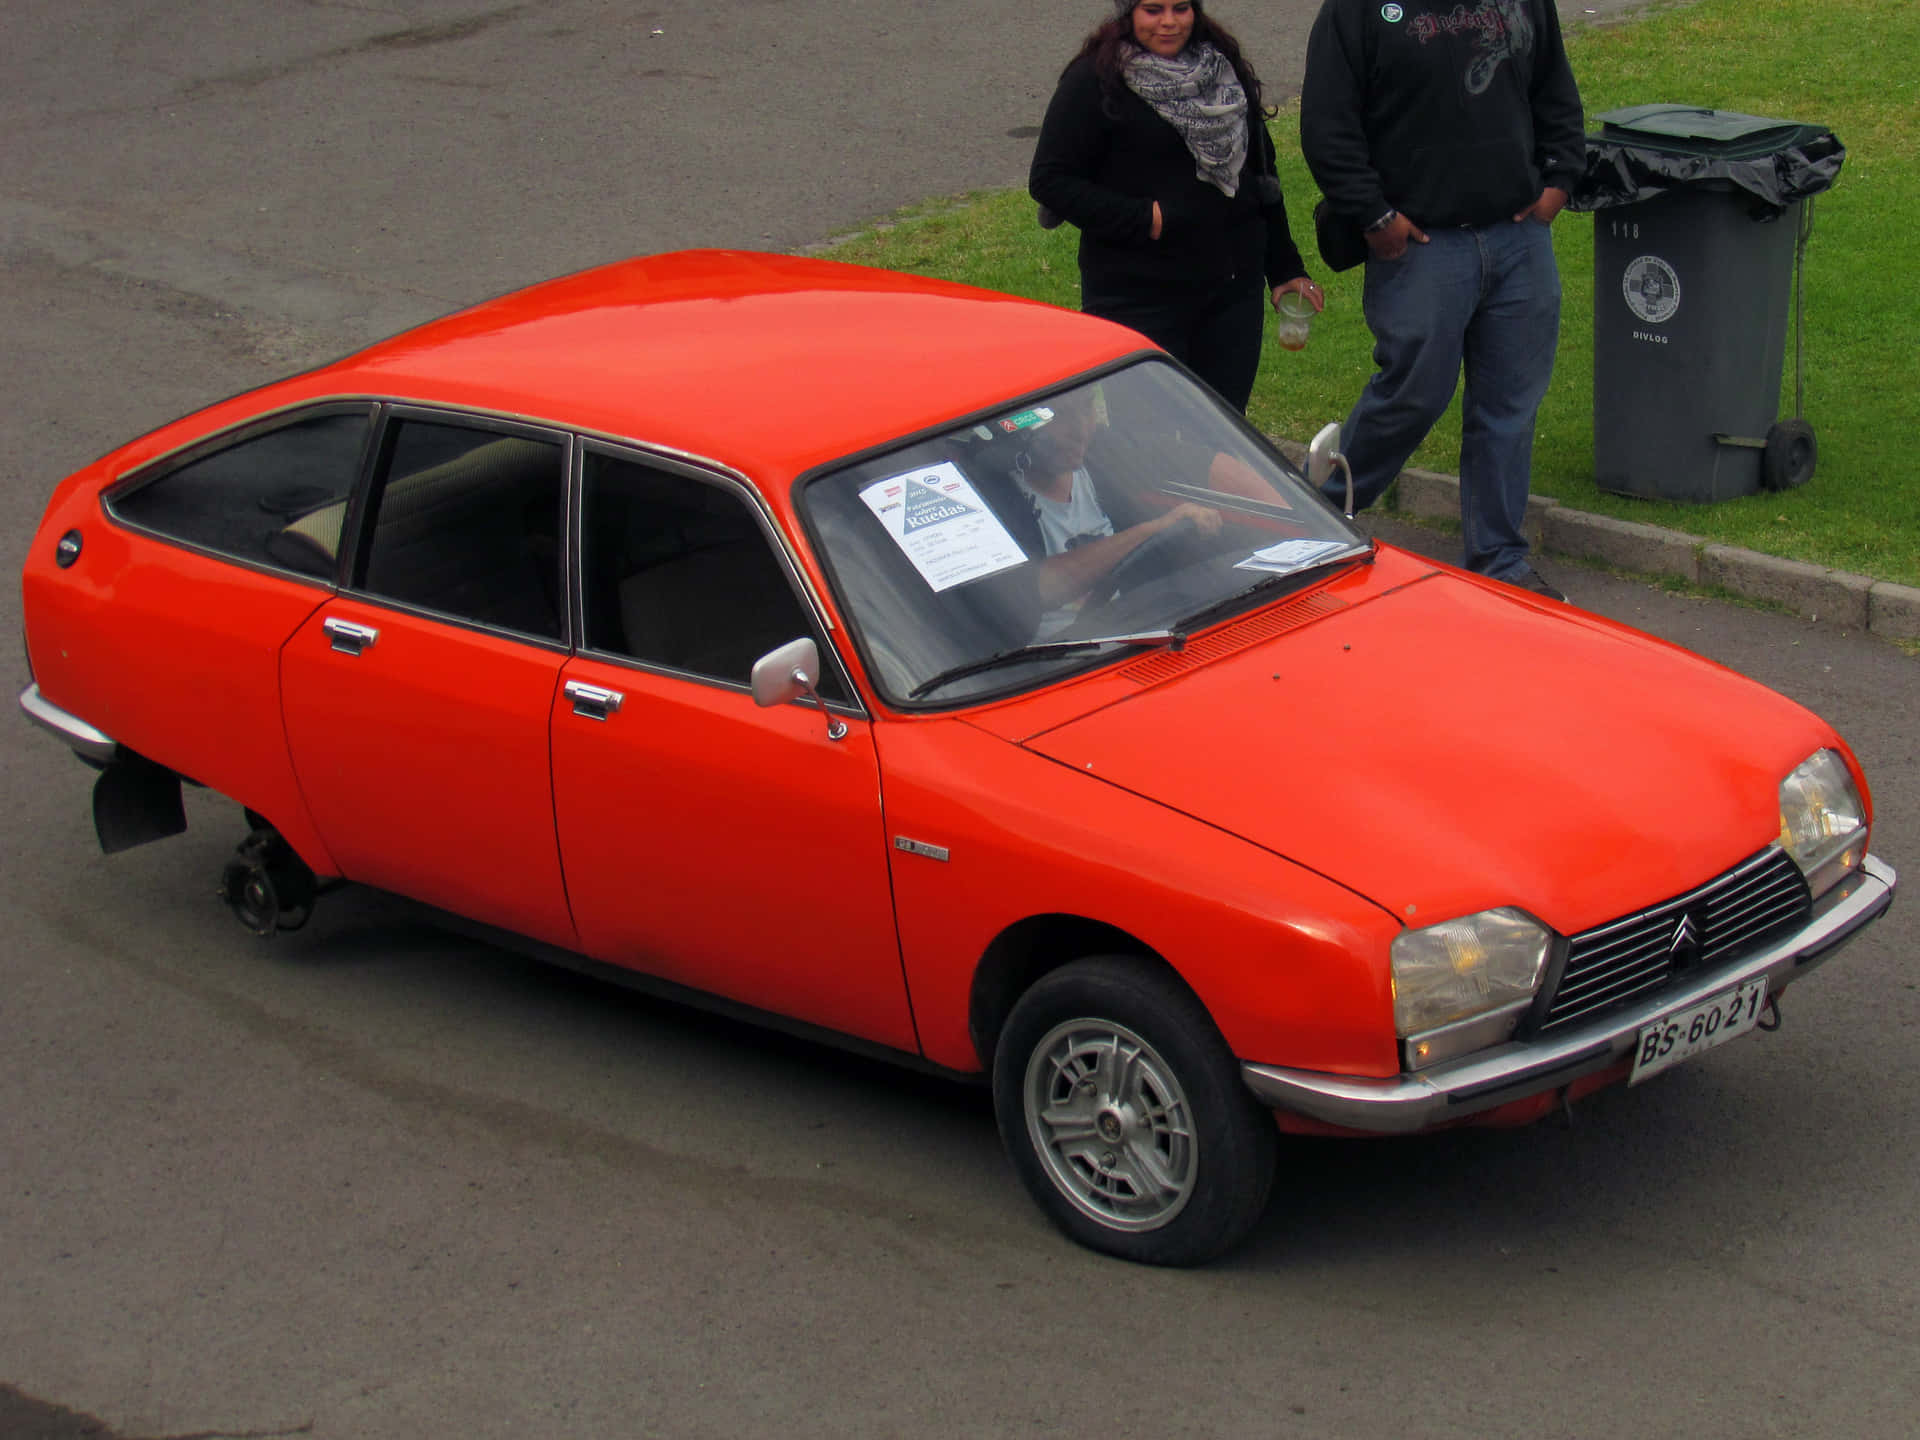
(468, 522)
(275, 498)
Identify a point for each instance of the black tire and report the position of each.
(1790, 455)
(1208, 1175)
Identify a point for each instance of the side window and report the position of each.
(277, 498)
(468, 522)
(679, 573)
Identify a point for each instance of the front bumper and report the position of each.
(1404, 1103)
(88, 743)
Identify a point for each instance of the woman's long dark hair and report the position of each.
(1111, 45)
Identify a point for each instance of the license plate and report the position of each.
(1685, 1033)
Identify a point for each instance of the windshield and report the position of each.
(1125, 507)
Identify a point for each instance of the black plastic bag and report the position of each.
(1650, 149)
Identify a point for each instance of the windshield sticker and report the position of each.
(939, 520)
(1290, 555)
(1026, 420)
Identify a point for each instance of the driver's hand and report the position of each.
(1204, 518)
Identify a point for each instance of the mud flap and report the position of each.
(135, 801)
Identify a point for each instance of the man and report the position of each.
(1451, 135)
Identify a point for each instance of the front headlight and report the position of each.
(1473, 977)
(1823, 821)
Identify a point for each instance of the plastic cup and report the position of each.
(1296, 318)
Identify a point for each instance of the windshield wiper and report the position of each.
(1172, 639)
(1225, 606)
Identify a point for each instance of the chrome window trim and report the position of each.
(382, 410)
(263, 422)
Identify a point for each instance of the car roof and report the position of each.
(771, 364)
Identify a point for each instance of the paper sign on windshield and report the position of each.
(1290, 555)
(938, 518)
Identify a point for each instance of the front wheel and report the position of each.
(1125, 1116)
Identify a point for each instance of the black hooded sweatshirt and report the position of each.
(1450, 114)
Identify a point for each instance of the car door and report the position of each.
(175, 651)
(417, 701)
(730, 848)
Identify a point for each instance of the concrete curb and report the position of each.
(1857, 602)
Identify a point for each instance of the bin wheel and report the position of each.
(1790, 455)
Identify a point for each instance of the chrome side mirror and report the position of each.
(1320, 454)
(783, 676)
(1324, 457)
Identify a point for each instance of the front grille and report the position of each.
(1721, 921)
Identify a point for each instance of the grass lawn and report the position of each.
(1847, 64)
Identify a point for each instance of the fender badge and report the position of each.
(920, 847)
(1392, 14)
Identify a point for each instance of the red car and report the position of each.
(954, 677)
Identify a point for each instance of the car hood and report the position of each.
(1450, 745)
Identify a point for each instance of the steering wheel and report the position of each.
(1145, 559)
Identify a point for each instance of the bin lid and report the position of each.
(1692, 130)
(1646, 150)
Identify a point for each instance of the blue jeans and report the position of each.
(1486, 298)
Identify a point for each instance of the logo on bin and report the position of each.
(1652, 289)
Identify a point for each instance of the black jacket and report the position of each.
(1103, 159)
(1454, 116)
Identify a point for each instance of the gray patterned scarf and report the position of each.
(1198, 94)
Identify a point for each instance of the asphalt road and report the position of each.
(370, 1180)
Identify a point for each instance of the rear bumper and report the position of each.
(88, 743)
(1404, 1103)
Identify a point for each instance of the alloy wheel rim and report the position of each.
(1111, 1124)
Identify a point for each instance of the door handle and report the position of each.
(349, 637)
(595, 702)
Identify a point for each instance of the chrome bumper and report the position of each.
(1408, 1102)
(87, 742)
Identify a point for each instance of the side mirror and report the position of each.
(783, 676)
(1321, 453)
(1324, 457)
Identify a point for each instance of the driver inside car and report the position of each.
(1055, 507)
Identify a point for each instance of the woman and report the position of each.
(1155, 146)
